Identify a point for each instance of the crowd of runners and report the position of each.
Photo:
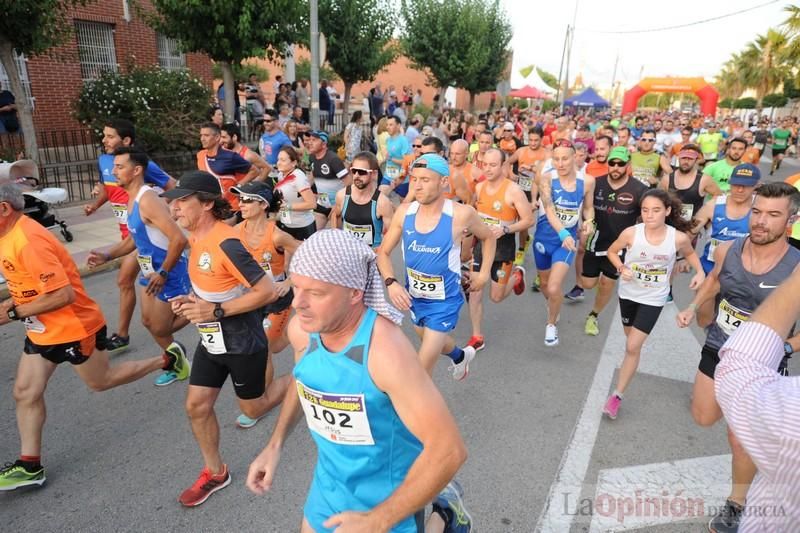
(292, 247)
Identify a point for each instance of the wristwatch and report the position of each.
(12, 313)
(163, 273)
(505, 230)
(219, 312)
(787, 348)
(389, 281)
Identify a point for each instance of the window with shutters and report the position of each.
(95, 48)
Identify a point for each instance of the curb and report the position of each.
(83, 271)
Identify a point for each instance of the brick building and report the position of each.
(105, 34)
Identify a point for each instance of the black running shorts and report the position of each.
(246, 371)
(594, 265)
(75, 353)
(640, 316)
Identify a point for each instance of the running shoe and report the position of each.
(179, 364)
(727, 519)
(612, 406)
(519, 257)
(117, 344)
(451, 499)
(519, 279)
(592, 327)
(15, 475)
(477, 342)
(206, 485)
(537, 284)
(669, 296)
(245, 422)
(461, 370)
(575, 295)
(550, 335)
(167, 378)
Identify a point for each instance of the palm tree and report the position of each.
(729, 81)
(792, 25)
(762, 65)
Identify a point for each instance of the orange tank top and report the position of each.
(226, 181)
(493, 208)
(528, 157)
(272, 261)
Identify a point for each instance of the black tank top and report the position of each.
(689, 197)
(362, 219)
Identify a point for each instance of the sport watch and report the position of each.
(163, 273)
(787, 348)
(12, 313)
(389, 281)
(219, 312)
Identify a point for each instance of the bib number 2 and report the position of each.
(211, 337)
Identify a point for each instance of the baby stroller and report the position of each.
(39, 202)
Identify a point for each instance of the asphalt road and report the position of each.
(540, 456)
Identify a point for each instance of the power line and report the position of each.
(667, 28)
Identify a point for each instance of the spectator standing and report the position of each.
(9, 122)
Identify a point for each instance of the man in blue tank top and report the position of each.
(431, 229)
(159, 243)
(386, 442)
(746, 271)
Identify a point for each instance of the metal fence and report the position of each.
(68, 160)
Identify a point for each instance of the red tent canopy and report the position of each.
(528, 92)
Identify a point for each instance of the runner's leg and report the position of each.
(126, 281)
(99, 375)
(33, 373)
(604, 293)
(200, 408)
(434, 345)
(158, 318)
(705, 409)
(633, 349)
(476, 311)
(743, 470)
(555, 294)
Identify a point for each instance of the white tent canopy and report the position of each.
(533, 79)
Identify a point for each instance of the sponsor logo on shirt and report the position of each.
(421, 248)
(8, 265)
(204, 263)
(46, 276)
(625, 198)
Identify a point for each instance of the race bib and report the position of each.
(146, 264)
(758, 146)
(712, 245)
(524, 182)
(649, 277)
(265, 266)
(338, 418)
(427, 286)
(285, 216)
(362, 233)
(120, 213)
(392, 171)
(33, 324)
(567, 215)
(489, 220)
(710, 155)
(687, 210)
(324, 199)
(730, 317)
(211, 337)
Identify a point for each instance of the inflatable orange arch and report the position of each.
(707, 94)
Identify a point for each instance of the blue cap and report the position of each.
(257, 189)
(433, 162)
(745, 175)
(319, 134)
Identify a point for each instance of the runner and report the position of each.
(228, 167)
(229, 320)
(721, 170)
(296, 215)
(62, 325)
(564, 196)
(118, 133)
(779, 137)
(271, 141)
(230, 136)
(329, 175)
(508, 143)
(711, 142)
(464, 176)
(751, 154)
(432, 229)
(503, 207)
(397, 147)
(386, 442)
(525, 160)
(364, 212)
(688, 184)
(158, 244)
(272, 248)
(617, 205)
(645, 163)
(651, 249)
(746, 271)
(598, 166)
(400, 184)
(485, 141)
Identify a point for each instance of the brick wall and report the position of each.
(56, 77)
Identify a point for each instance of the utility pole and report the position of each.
(314, 111)
(561, 67)
(614, 81)
(571, 39)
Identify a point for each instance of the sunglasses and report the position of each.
(268, 120)
(416, 146)
(249, 200)
(617, 163)
(563, 143)
(648, 140)
(360, 171)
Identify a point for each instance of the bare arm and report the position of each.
(483, 233)
(702, 217)
(524, 211)
(49, 301)
(385, 211)
(308, 202)
(156, 212)
(252, 174)
(623, 242)
(709, 186)
(259, 164)
(684, 245)
(336, 212)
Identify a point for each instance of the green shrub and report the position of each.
(745, 103)
(167, 107)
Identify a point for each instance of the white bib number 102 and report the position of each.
(338, 418)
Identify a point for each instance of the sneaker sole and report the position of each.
(551, 343)
(165, 384)
(463, 507)
(207, 496)
(574, 298)
(248, 426)
(479, 348)
(609, 415)
(38, 482)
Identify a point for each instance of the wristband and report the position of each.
(693, 306)
(563, 233)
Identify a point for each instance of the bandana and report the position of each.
(336, 257)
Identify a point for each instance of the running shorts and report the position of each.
(300, 234)
(594, 265)
(501, 270)
(708, 266)
(246, 371)
(778, 151)
(709, 359)
(442, 316)
(640, 316)
(75, 353)
(177, 284)
(546, 253)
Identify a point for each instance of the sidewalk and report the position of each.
(96, 232)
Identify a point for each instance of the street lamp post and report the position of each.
(314, 82)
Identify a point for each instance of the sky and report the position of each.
(700, 50)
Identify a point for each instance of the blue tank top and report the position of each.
(362, 220)
(151, 244)
(724, 228)
(364, 451)
(568, 210)
(432, 260)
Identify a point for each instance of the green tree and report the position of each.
(790, 89)
(775, 100)
(762, 64)
(359, 36)
(485, 53)
(548, 78)
(30, 27)
(230, 31)
(729, 81)
(302, 70)
(745, 103)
